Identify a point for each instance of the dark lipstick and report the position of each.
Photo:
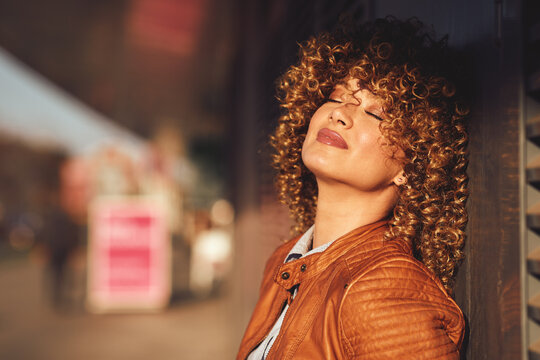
(332, 138)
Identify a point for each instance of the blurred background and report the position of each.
(137, 206)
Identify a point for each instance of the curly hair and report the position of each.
(408, 69)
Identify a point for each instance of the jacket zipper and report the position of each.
(268, 328)
(287, 315)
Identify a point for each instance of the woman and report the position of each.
(371, 158)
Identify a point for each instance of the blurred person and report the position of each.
(371, 159)
(60, 237)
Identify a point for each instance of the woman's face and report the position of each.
(344, 144)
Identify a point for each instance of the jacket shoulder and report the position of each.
(276, 259)
(394, 307)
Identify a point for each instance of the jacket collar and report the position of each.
(361, 239)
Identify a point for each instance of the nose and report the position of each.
(342, 115)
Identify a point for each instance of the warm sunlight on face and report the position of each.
(344, 143)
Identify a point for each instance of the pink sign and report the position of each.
(128, 255)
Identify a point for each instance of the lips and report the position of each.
(332, 138)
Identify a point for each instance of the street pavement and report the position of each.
(30, 329)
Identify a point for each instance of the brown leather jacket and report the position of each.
(362, 298)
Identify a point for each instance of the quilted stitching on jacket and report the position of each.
(362, 298)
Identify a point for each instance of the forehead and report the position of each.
(355, 88)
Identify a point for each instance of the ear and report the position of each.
(400, 178)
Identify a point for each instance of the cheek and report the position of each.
(309, 130)
(373, 153)
(316, 120)
(368, 139)
(370, 142)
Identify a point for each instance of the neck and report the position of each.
(341, 209)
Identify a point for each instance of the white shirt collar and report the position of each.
(304, 243)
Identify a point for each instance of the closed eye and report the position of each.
(333, 101)
(374, 115)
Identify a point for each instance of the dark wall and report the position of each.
(488, 34)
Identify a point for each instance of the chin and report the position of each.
(318, 157)
(316, 164)
(321, 169)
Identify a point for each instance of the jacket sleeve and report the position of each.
(398, 310)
